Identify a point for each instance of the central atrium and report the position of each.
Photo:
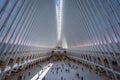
(59, 39)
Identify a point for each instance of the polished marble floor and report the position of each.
(70, 71)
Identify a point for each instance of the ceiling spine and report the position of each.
(59, 9)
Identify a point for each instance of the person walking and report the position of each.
(82, 78)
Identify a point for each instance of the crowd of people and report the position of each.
(65, 68)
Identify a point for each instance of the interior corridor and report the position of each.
(59, 39)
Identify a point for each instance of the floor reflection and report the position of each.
(40, 75)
